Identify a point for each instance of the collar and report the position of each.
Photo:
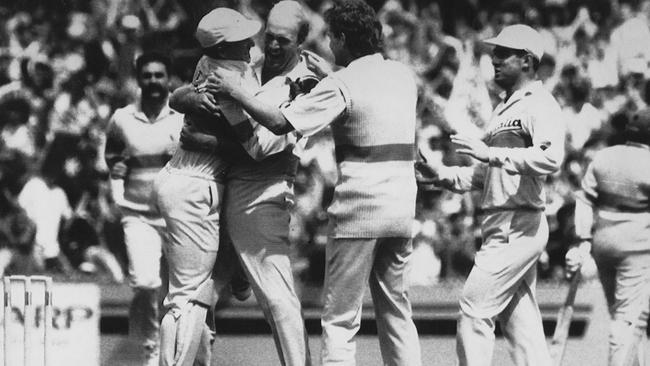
(527, 90)
(298, 71)
(165, 112)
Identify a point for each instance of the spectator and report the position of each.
(17, 231)
(41, 191)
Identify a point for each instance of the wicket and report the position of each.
(28, 316)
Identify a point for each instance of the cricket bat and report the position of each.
(561, 333)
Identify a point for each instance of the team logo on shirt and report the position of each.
(507, 125)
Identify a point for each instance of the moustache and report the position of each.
(154, 88)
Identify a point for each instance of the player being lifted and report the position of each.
(255, 211)
(189, 190)
(524, 142)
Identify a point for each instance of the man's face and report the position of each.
(281, 48)
(154, 80)
(508, 65)
(237, 51)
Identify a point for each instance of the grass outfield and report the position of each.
(244, 339)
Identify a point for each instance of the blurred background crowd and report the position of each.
(66, 65)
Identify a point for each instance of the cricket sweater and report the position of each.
(375, 150)
(616, 186)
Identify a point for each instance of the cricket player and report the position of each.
(189, 190)
(524, 143)
(259, 194)
(370, 106)
(613, 212)
(141, 138)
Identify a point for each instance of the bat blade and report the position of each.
(564, 315)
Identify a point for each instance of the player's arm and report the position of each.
(547, 131)
(193, 139)
(185, 99)
(116, 159)
(307, 114)
(583, 221)
(454, 178)
(267, 115)
(256, 139)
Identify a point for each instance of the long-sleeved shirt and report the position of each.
(616, 186)
(525, 137)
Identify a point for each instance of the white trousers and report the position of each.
(190, 207)
(626, 282)
(502, 285)
(144, 238)
(256, 217)
(351, 264)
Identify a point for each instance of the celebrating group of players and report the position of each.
(218, 205)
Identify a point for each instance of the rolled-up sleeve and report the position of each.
(311, 112)
(461, 179)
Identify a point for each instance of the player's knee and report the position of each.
(205, 294)
(281, 307)
(468, 307)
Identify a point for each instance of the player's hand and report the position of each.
(317, 64)
(220, 83)
(575, 257)
(120, 169)
(471, 146)
(206, 103)
(192, 139)
(425, 173)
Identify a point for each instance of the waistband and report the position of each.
(375, 153)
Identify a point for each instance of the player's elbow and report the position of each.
(177, 98)
(277, 127)
(174, 103)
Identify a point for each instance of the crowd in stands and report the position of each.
(66, 66)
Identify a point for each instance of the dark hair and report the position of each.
(303, 31)
(358, 22)
(149, 57)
